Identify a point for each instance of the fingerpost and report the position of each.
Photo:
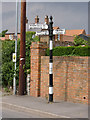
(51, 60)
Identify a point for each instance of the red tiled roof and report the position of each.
(74, 32)
(55, 28)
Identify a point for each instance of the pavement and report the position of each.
(57, 109)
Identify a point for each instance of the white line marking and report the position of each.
(29, 109)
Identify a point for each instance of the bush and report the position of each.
(70, 51)
(79, 41)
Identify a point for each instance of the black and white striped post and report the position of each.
(51, 60)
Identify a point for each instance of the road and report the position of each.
(10, 113)
(31, 107)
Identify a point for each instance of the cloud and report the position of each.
(47, 0)
(34, 7)
(0, 17)
(8, 16)
(65, 15)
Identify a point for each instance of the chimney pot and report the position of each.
(37, 19)
(46, 20)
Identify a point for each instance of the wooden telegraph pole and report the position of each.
(22, 81)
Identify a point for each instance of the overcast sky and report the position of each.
(68, 15)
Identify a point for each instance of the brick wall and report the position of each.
(70, 75)
(37, 50)
(44, 38)
(64, 40)
(67, 38)
(18, 36)
(2, 38)
(7, 36)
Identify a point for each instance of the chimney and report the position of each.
(36, 20)
(46, 20)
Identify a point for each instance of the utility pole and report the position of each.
(16, 37)
(51, 60)
(22, 81)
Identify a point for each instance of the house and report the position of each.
(11, 36)
(61, 37)
(37, 26)
(69, 36)
(2, 38)
(84, 37)
(75, 32)
(42, 28)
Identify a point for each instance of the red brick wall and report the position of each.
(2, 38)
(6, 37)
(18, 36)
(67, 38)
(37, 49)
(44, 38)
(70, 76)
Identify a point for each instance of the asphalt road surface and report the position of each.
(10, 113)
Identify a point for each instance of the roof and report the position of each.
(44, 29)
(10, 33)
(74, 32)
(55, 28)
(84, 37)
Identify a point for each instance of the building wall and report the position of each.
(2, 38)
(18, 36)
(44, 38)
(84, 33)
(70, 76)
(65, 43)
(61, 42)
(7, 36)
(67, 38)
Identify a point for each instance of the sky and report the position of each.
(66, 15)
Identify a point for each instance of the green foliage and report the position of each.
(36, 38)
(89, 41)
(8, 47)
(0, 34)
(70, 51)
(3, 33)
(6, 90)
(7, 64)
(79, 41)
(29, 35)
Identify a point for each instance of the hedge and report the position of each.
(70, 51)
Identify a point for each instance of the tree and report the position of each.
(79, 41)
(89, 41)
(3, 33)
(8, 47)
